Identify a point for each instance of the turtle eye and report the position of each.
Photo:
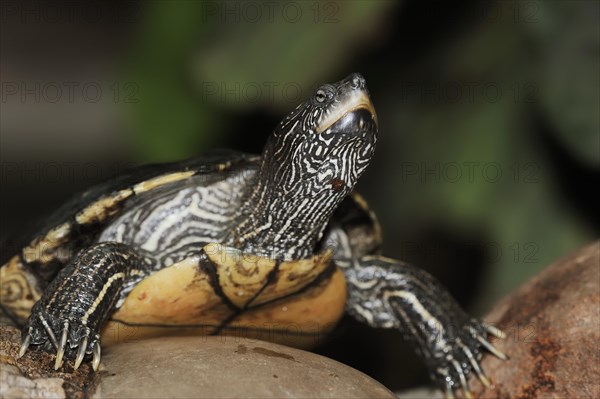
(320, 96)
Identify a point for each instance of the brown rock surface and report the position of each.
(553, 327)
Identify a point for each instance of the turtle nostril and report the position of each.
(357, 81)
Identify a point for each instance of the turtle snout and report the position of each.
(357, 82)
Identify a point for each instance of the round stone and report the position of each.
(219, 367)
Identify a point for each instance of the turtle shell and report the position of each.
(224, 292)
(218, 291)
(81, 220)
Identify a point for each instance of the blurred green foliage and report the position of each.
(568, 39)
(169, 120)
(182, 44)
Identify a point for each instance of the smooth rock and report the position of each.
(183, 367)
(227, 367)
(420, 393)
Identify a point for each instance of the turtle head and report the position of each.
(310, 163)
(326, 143)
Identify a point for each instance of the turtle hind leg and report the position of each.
(76, 304)
(387, 293)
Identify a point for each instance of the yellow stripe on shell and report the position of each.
(108, 206)
(18, 289)
(158, 181)
(42, 249)
(102, 209)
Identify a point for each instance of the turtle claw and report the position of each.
(81, 351)
(51, 335)
(475, 366)
(495, 331)
(485, 381)
(491, 348)
(463, 379)
(462, 356)
(76, 341)
(97, 353)
(60, 351)
(25, 344)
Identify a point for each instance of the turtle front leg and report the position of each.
(387, 293)
(76, 304)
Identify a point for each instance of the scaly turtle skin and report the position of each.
(275, 245)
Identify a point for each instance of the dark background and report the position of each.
(489, 126)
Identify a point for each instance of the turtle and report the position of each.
(277, 244)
